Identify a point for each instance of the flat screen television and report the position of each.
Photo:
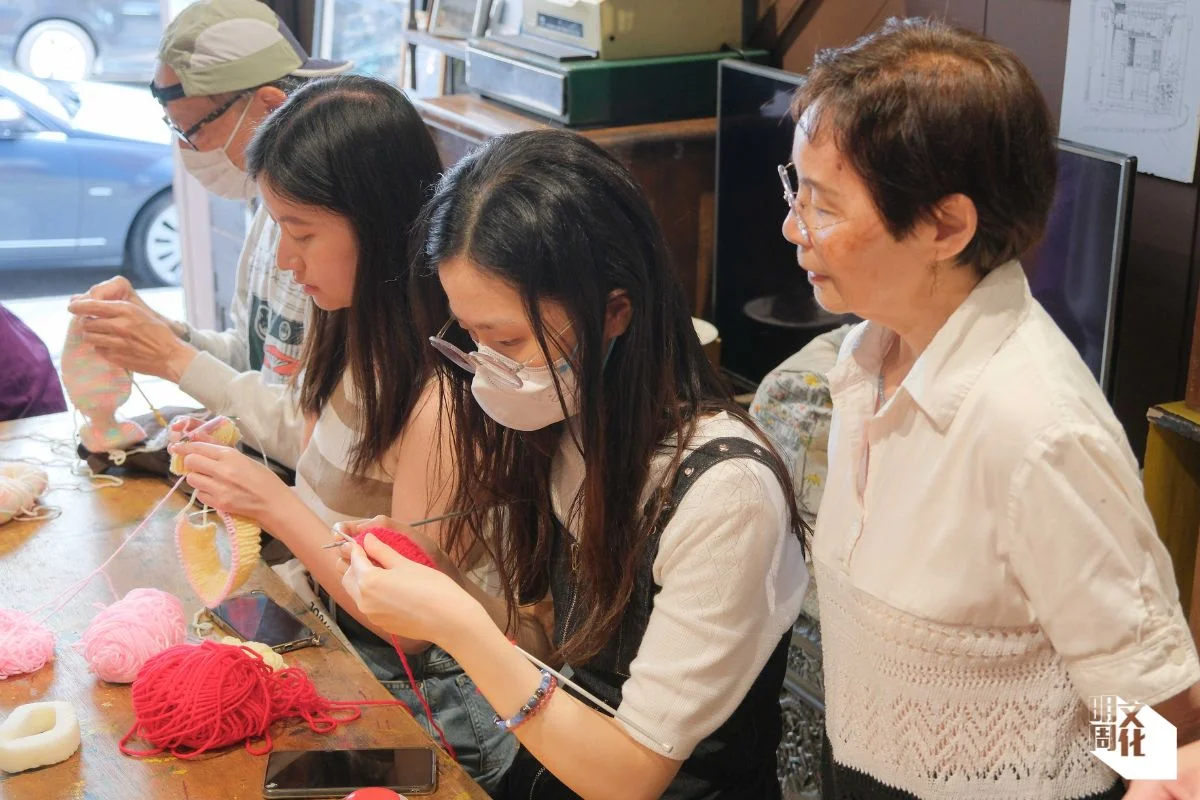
(1077, 270)
(763, 306)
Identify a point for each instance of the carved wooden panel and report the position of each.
(803, 703)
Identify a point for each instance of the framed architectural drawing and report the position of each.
(1132, 81)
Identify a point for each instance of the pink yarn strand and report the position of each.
(71, 591)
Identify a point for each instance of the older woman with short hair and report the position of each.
(984, 558)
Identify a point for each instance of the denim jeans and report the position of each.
(483, 750)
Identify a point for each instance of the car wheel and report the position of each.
(155, 248)
(55, 49)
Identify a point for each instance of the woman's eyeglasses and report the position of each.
(186, 136)
(791, 197)
(501, 369)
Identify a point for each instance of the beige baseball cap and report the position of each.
(218, 46)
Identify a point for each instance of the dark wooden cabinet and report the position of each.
(673, 161)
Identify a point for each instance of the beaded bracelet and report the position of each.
(535, 703)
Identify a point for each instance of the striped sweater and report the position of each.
(323, 477)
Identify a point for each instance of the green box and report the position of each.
(594, 92)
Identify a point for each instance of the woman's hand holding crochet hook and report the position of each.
(351, 528)
(406, 598)
(229, 481)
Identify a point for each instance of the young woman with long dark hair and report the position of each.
(623, 495)
(344, 167)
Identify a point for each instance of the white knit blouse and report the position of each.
(985, 561)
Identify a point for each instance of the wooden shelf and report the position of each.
(1177, 418)
(476, 119)
(455, 48)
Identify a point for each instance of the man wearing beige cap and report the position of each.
(224, 65)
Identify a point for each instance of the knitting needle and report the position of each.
(205, 428)
(416, 524)
(563, 679)
(157, 414)
(533, 659)
(345, 540)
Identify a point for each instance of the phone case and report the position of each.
(314, 640)
(272, 791)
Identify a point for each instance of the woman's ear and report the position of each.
(618, 314)
(955, 221)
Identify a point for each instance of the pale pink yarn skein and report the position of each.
(25, 645)
(130, 632)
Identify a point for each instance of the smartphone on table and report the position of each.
(293, 774)
(255, 617)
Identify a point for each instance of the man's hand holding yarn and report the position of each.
(132, 336)
(115, 288)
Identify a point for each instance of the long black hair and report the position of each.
(355, 146)
(557, 218)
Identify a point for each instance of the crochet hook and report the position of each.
(205, 428)
(157, 414)
(417, 524)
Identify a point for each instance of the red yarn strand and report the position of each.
(413, 552)
(424, 703)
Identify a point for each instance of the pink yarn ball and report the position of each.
(130, 632)
(25, 645)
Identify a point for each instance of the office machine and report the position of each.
(585, 63)
(618, 29)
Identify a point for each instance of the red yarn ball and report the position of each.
(398, 542)
(190, 699)
(373, 793)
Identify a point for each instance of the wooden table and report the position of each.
(39, 559)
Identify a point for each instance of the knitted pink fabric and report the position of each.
(97, 388)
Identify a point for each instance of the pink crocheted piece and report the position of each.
(97, 388)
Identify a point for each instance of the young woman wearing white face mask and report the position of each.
(623, 492)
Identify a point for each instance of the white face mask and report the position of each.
(216, 172)
(532, 406)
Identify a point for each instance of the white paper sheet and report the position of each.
(1132, 81)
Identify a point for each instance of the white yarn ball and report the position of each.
(20, 487)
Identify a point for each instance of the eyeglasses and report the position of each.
(500, 368)
(186, 136)
(790, 196)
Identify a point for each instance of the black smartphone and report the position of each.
(337, 773)
(257, 618)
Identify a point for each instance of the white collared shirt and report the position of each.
(993, 556)
(731, 578)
